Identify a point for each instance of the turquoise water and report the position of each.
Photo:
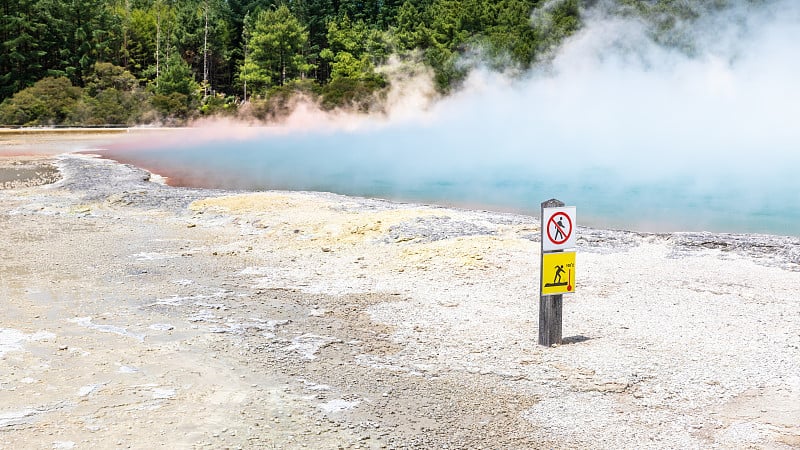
(421, 165)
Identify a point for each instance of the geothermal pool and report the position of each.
(423, 166)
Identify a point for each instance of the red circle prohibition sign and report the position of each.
(565, 235)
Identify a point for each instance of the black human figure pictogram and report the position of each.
(559, 235)
(559, 271)
(557, 279)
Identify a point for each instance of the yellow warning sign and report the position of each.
(558, 273)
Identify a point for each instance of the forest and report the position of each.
(128, 62)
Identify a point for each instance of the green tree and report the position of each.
(239, 11)
(79, 33)
(354, 49)
(275, 50)
(410, 31)
(446, 20)
(176, 92)
(120, 12)
(153, 27)
(273, 46)
(445, 36)
(555, 22)
(252, 76)
(315, 16)
(446, 71)
(107, 76)
(141, 49)
(20, 46)
(203, 36)
(358, 10)
(387, 13)
(512, 35)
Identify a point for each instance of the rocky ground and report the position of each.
(137, 315)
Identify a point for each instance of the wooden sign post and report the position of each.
(557, 268)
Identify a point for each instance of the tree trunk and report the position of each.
(158, 44)
(283, 70)
(205, 54)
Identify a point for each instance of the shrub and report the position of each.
(218, 104)
(360, 94)
(280, 100)
(50, 101)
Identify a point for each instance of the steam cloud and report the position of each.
(638, 135)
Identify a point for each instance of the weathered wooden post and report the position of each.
(550, 307)
(558, 225)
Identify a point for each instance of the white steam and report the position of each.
(615, 97)
(707, 130)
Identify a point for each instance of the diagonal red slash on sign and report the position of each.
(564, 234)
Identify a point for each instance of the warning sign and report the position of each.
(558, 273)
(558, 226)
